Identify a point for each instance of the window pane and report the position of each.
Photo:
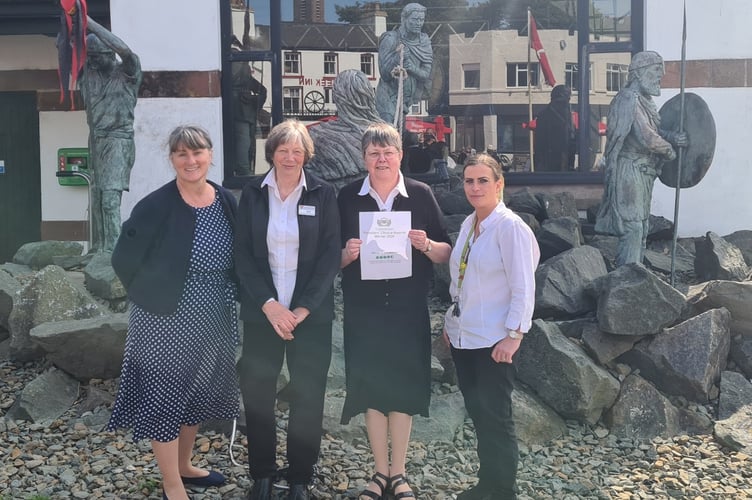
(610, 20)
(467, 40)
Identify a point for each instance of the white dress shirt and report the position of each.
(384, 206)
(498, 290)
(282, 238)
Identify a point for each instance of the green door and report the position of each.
(20, 188)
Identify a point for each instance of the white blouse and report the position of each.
(498, 289)
(282, 238)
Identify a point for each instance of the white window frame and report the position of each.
(292, 63)
(292, 100)
(616, 76)
(519, 72)
(473, 68)
(330, 63)
(366, 64)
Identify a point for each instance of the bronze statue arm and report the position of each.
(646, 133)
(131, 63)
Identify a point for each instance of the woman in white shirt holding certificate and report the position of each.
(493, 291)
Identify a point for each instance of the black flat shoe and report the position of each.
(262, 489)
(298, 492)
(213, 479)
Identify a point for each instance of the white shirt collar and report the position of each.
(400, 187)
(270, 180)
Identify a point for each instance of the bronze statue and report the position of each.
(555, 134)
(110, 89)
(636, 148)
(248, 97)
(404, 53)
(338, 157)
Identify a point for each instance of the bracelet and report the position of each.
(429, 247)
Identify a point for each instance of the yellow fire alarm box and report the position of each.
(72, 160)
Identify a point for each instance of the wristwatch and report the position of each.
(514, 334)
(429, 247)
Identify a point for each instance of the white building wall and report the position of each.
(156, 31)
(715, 30)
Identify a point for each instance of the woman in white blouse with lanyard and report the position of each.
(493, 289)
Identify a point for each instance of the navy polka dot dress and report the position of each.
(179, 369)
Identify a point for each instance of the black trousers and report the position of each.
(487, 389)
(308, 358)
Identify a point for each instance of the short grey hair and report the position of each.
(289, 131)
(381, 134)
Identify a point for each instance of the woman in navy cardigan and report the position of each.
(174, 257)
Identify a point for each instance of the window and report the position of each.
(330, 64)
(572, 76)
(616, 76)
(291, 100)
(366, 64)
(292, 63)
(471, 75)
(517, 74)
(479, 82)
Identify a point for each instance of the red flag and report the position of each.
(535, 43)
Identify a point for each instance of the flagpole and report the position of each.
(530, 97)
(680, 155)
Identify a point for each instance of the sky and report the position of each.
(262, 9)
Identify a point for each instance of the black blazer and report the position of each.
(152, 254)
(319, 253)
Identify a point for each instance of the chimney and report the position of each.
(374, 18)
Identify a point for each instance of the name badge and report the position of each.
(307, 210)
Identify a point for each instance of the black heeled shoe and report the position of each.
(379, 480)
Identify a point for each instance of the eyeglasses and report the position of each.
(377, 155)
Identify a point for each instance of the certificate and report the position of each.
(385, 252)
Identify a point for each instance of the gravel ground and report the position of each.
(73, 458)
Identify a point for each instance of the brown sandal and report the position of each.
(379, 480)
(399, 480)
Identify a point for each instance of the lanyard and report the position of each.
(463, 258)
(463, 267)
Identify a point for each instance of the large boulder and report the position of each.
(741, 354)
(447, 415)
(45, 398)
(555, 205)
(563, 375)
(336, 376)
(733, 295)
(642, 412)
(49, 296)
(717, 259)
(525, 201)
(736, 393)
(534, 422)
(100, 278)
(85, 348)
(605, 347)
(634, 301)
(39, 254)
(561, 282)
(453, 203)
(686, 360)
(743, 241)
(558, 235)
(8, 288)
(608, 246)
(735, 432)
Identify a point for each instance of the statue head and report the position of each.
(413, 17)
(647, 68)
(353, 94)
(99, 55)
(561, 93)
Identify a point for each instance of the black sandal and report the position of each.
(399, 480)
(379, 480)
